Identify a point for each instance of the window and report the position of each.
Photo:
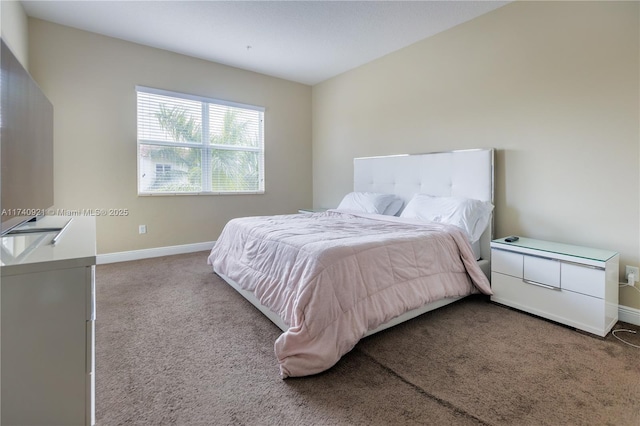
(193, 145)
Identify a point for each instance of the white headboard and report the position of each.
(466, 173)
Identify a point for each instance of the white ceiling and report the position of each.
(303, 41)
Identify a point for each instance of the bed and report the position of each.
(329, 279)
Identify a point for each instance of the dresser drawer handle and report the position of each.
(583, 265)
(550, 287)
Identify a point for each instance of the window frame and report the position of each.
(206, 148)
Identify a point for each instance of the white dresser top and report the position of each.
(33, 252)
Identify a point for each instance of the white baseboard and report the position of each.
(629, 315)
(125, 256)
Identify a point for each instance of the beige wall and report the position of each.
(15, 31)
(91, 79)
(553, 86)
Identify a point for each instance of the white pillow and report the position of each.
(371, 202)
(471, 215)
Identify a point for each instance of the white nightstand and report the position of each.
(573, 285)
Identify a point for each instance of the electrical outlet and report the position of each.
(142, 229)
(632, 270)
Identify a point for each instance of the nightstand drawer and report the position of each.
(583, 280)
(506, 262)
(542, 271)
(577, 310)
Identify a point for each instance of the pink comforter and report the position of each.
(334, 276)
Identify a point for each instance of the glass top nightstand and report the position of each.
(573, 285)
(560, 248)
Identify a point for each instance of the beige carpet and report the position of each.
(177, 345)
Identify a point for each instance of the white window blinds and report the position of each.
(193, 145)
